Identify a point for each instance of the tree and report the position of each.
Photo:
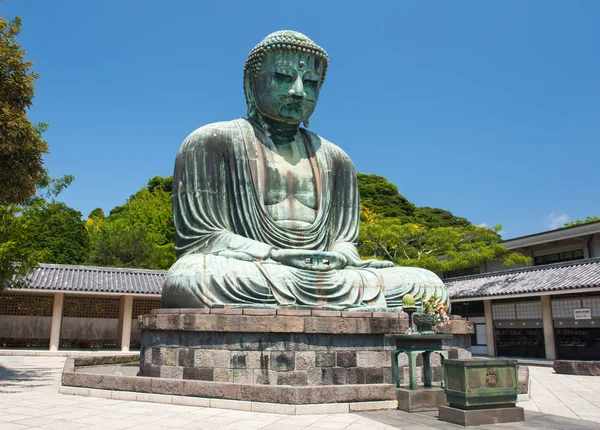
(15, 260)
(56, 232)
(160, 183)
(18, 255)
(585, 221)
(438, 249)
(434, 217)
(381, 196)
(140, 233)
(21, 143)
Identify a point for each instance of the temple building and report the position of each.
(550, 309)
(79, 307)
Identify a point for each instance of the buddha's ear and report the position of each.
(249, 97)
(305, 122)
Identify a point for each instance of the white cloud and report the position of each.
(556, 220)
(483, 224)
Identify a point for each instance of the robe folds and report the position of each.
(224, 234)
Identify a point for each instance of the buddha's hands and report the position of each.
(321, 261)
(373, 264)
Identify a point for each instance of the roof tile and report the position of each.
(552, 277)
(63, 277)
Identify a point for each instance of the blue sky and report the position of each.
(488, 109)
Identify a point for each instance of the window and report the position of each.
(559, 257)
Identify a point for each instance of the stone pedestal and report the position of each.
(477, 417)
(283, 347)
(421, 400)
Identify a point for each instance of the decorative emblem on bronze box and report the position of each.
(491, 377)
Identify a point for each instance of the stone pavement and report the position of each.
(29, 399)
(572, 396)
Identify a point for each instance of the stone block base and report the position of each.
(476, 417)
(421, 400)
(280, 347)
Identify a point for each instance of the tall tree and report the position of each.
(21, 143)
(139, 233)
(381, 196)
(56, 232)
(18, 232)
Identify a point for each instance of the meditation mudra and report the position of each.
(266, 212)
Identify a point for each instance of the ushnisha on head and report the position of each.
(283, 76)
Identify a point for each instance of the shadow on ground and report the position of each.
(11, 379)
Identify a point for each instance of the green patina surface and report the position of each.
(266, 212)
(413, 346)
(481, 383)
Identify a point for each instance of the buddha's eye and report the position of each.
(311, 82)
(311, 78)
(283, 77)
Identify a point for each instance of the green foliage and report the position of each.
(585, 221)
(26, 232)
(56, 232)
(381, 196)
(140, 233)
(434, 217)
(160, 183)
(15, 260)
(438, 249)
(394, 229)
(21, 143)
(97, 213)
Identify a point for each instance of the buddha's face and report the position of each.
(287, 88)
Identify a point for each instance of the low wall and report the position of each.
(25, 331)
(25, 327)
(574, 367)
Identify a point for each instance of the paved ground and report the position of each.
(29, 399)
(571, 396)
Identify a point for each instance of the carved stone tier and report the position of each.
(296, 347)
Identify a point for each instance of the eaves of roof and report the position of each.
(93, 279)
(579, 274)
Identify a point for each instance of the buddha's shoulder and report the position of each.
(219, 133)
(331, 148)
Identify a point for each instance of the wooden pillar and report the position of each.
(548, 328)
(125, 314)
(489, 328)
(57, 310)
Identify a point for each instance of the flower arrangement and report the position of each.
(433, 306)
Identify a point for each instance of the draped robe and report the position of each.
(224, 233)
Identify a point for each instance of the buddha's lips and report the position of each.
(291, 101)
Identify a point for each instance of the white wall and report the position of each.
(89, 328)
(25, 327)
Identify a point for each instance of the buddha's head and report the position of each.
(283, 76)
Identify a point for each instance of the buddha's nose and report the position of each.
(298, 88)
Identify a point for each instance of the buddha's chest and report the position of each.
(289, 185)
(284, 179)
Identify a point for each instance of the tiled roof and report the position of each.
(62, 277)
(537, 279)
